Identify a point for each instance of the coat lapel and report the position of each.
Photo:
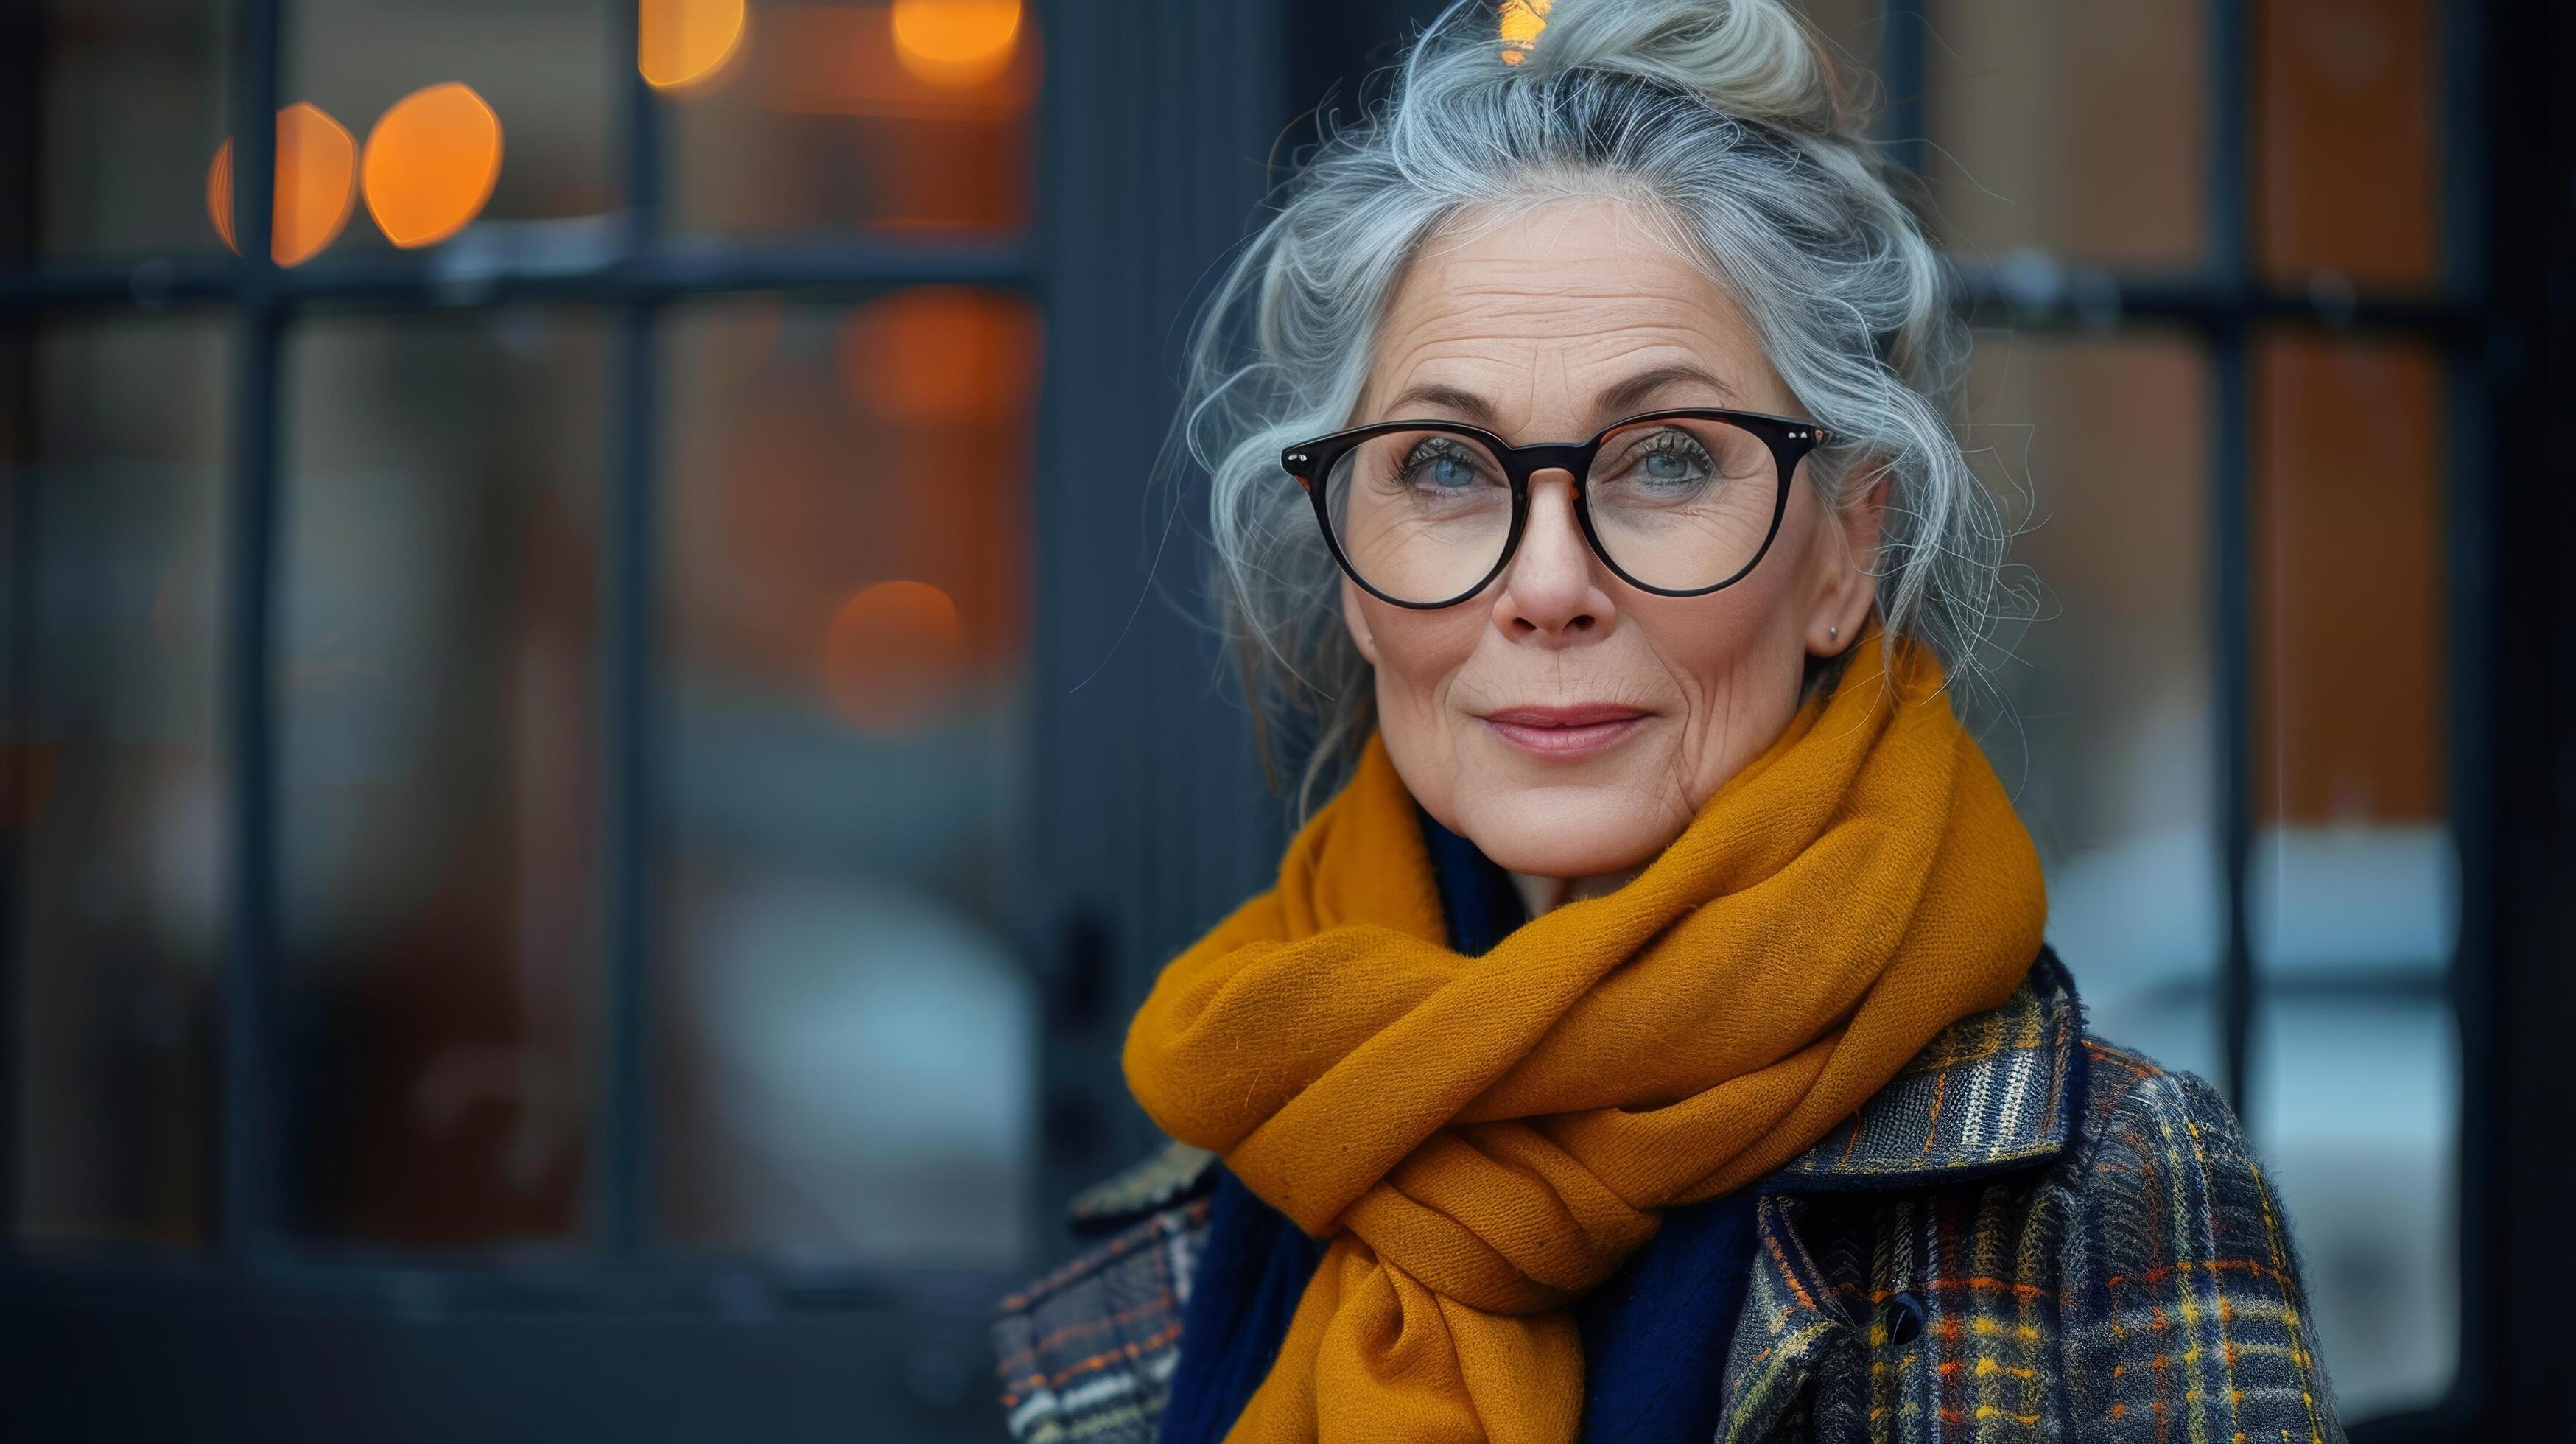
(1786, 1325)
(1996, 1090)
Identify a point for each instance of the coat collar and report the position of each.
(1994, 1090)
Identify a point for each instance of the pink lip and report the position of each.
(1577, 731)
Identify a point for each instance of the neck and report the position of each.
(1544, 894)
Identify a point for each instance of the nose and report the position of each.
(1551, 592)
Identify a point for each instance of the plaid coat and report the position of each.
(2029, 1234)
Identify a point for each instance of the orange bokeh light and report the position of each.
(680, 43)
(838, 60)
(941, 353)
(1521, 22)
(431, 163)
(317, 170)
(894, 657)
(956, 42)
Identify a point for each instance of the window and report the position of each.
(584, 810)
(519, 709)
(2221, 359)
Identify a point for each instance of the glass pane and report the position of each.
(2350, 546)
(850, 1054)
(823, 117)
(2349, 111)
(2356, 1112)
(132, 103)
(491, 112)
(2075, 129)
(437, 642)
(114, 791)
(2353, 901)
(2101, 448)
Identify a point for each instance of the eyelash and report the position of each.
(1670, 441)
(1429, 451)
(1674, 442)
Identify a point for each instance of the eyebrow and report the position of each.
(1616, 399)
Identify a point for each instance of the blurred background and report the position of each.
(601, 732)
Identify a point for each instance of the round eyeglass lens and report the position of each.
(1683, 503)
(1421, 516)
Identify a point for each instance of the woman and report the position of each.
(1652, 1037)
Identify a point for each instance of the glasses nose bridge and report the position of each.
(1572, 459)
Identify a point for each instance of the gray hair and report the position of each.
(1727, 123)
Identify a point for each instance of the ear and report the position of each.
(1357, 620)
(1849, 585)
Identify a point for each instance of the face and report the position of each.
(1565, 722)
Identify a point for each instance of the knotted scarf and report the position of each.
(1481, 1140)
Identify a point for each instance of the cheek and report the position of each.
(1751, 633)
(1702, 634)
(1418, 652)
(1419, 658)
(1716, 646)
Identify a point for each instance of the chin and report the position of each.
(1569, 830)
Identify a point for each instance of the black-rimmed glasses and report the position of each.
(1678, 503)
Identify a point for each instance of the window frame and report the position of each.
(2225, 306)
(253, 1269)
(1094, 939)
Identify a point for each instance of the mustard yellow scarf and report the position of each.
(1482, 1140)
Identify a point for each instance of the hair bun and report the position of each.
(1755, 59)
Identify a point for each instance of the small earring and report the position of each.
(1833, 633)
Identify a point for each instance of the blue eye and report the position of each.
(1673, 457)
(1442, 464)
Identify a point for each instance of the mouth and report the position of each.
(1565, 732)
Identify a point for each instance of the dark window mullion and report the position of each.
(2473, 475)
(2231, 614)
(18, 771)
(852, 268)
(247, 1217)
(2229, 176)
(1901, 69)
(21, 92)
(621, 1211)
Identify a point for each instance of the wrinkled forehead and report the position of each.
(1540, 310)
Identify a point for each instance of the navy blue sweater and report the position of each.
(1654, 1334)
